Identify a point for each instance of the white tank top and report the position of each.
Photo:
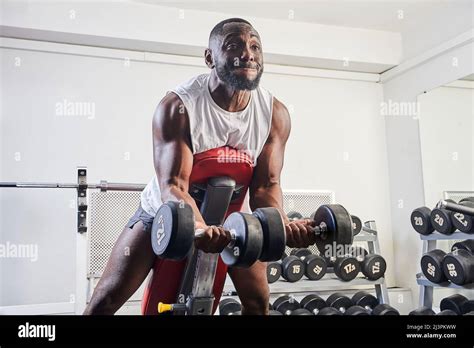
(212, 127)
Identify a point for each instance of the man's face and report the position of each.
(238, 56)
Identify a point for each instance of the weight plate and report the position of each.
(457, 266)
(247, 246)
(292, 269)
(313, 303)
(172, 232)
(356, 225)
(374, 266)
(329, 311)
(467, 244)
(432, 266)
(273, 272)
(229, 306)
(315, 267)
(364, 299)
(339, 301)
(463, 222)
(356, 310)
(421, 220)
(338, 224)
(453, 303)
(384, 309)
(274, 233)
(346, 268)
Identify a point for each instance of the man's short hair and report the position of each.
(219, 27)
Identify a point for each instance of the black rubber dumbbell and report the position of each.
(458, 267)
(370, 304)
(356, 225)
(467, 245)
(372, 266)
(464, 222)
(432, 266)
(446, 312)
(313, 303)
(346, 268)
(441, 219)
(421, 220)
(292, 268)
(454, 303)
(422, 311)
(288, 305)
(315, 266)
(229, 306)
(337, 304)
(273, 271)
(467, 307)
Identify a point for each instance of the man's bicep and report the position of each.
(171, 146)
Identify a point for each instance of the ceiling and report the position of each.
(370, 14)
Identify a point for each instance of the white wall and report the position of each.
(331, 117)
(403, 84)
(446, 123)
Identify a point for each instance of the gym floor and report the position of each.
(380, 95)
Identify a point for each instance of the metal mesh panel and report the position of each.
(457, 195)
(306, 203)
(109, 212)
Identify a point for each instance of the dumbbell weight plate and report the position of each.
(441, 219)
(274, 234)
(432, 266)
(373, 266)
(346, 268)
(172, 232)
(248, 243)
(301, 311)
(467, 307)
(339, 301)
(273, 272)
(329, 311)
(463, 222)
(364, 299)
(315, 267)
(356, 310)
(292, 269)
(446, 312)
(286, 304)
(313, 303)
(453, 303)
(229, 306)
(356, 225)
(458, 266)
(338, 223)
(465, 244)
(421, 220)
(384, 309)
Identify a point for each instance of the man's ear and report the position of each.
(208, 58)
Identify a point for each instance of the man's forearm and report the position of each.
(175, 193)
(267, 196)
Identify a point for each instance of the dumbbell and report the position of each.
(373, 266)
(458, 266)
(467, 245)
(173, 234)
(287, 305)
(346, 267)
(432, 266)
(337, 304)
(313, 303)
(441, 219)
(464, 222)
(421, 220)
(365, 302)
(315, 266)
(454, 303)
(229, 306)
(274, 270)
(356, 225)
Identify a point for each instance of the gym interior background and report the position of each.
(380, 94)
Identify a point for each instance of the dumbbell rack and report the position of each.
(430, 243)
(427, 287)
(330, 282)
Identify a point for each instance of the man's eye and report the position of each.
(231, 46)
(256, 47)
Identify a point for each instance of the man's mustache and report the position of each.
(246, 66)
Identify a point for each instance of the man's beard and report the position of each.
(224, 72)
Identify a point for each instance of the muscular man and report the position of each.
(225, 107)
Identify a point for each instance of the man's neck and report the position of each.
(227, 97)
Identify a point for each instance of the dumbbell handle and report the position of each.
(318, 230)
(455, 207)
(199, 232)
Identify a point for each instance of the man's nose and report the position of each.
(247, 54)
